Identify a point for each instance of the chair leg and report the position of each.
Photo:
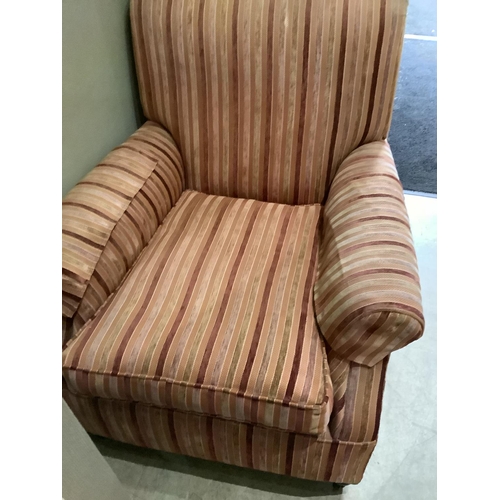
(339, 486)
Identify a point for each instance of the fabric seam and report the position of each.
(276, 429)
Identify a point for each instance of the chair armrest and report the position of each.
(110, 216)
(367, 295)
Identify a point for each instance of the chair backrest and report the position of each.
(265, 98)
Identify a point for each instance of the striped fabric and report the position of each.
(216, 318)
(266, 97)
(357, 397)
(338, 455)
(190, 318)
(367, 294)
(110, 216)
(67, 327)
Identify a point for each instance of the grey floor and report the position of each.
(403, 465)
(413, 130)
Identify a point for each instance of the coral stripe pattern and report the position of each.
(237, 273)
(367, 293)
(110, 216)
(340, 454)
(266, 97)
(215, 317)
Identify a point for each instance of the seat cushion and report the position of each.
(215, 318)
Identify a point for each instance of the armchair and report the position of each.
(237, 273)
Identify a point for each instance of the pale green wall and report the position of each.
(85, 472)
(100, 99)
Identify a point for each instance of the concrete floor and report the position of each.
(403, 465)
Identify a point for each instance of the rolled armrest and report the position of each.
(367, 295)
(110, 216)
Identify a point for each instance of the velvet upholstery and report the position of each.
(237, 273)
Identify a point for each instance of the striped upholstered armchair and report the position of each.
(236, 274)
